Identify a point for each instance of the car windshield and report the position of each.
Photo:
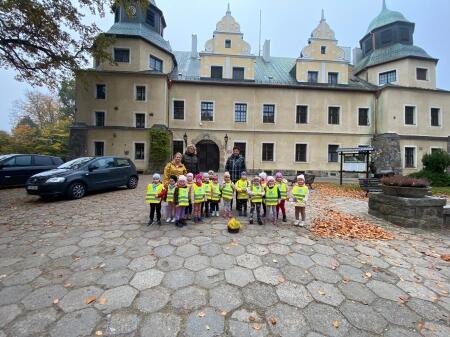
(5, 156)
(76, 163)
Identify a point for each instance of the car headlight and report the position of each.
(55, 180)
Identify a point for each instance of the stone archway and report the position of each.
(208, 155)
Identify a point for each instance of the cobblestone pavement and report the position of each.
(201, 281)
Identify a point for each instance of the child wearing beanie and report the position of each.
(256, 193)
(242, 196)
(282, 185)
(198, 193)
(155, 193)
(215, 196)
(300, 193)
(189, 183)
(273, 197)
(227, 189)
(263, 176)
(206, 204)
(181, 200)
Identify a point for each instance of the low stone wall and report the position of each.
(425, 212)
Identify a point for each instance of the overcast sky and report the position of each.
(287, 23)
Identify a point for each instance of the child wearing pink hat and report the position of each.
(198, 193)
(300, 195)
(281, 183)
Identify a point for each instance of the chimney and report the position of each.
(266, 51)
(194, 53)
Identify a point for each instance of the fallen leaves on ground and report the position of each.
(256, 326)
(90, 299)
(345, 280)
(402, 300)
(103, 301)
(334, 190)
(336, 324)
(99, 333)
(252, 318)
(56, 301)
(273, 320)
(201, 314)
(445, 257)
(331, 223)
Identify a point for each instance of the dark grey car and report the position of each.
(76, 177)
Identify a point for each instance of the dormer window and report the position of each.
(313, 76)
(227, 43)
(117, 14)
(150, 18)
(333, 78)
(323, 50)
(122, 55)
(216, 72)
(421, 74)
(386, 36)
(156, 64)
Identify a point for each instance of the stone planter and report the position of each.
(406, 192)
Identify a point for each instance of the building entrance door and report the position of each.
(208, 156)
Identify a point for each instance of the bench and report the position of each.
(370, 185)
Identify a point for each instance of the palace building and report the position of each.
(284, 113)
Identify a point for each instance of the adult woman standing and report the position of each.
(190, 159)
(174, 168)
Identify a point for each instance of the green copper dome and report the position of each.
(385, 17)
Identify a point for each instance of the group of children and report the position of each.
(197, 197)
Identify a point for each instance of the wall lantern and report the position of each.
(226, 139)
(185, 138)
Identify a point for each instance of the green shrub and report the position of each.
(436, 179)
(437, 162)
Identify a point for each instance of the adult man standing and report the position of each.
(235, 165)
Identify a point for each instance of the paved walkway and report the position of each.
(92, 267)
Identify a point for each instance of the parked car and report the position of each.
(76, 177)
(15, 169)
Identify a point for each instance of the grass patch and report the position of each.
(441, 190)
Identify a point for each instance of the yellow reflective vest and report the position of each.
(272, 196)
(283, 190)
(227, 191)
(183, 196)
(199, 194)
(257, 194)
(299, 192)
(170, 193)
(152, 193)
(208, 194)
(241, 189)
(215, 192)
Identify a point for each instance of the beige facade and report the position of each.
(274, 113)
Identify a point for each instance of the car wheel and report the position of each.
(132, 182)
(76, 191)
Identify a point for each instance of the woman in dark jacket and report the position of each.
(190, 159)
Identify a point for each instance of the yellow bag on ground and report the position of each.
(234, 225)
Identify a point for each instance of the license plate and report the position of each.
(32, 188)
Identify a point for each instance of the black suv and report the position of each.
(15, 169)
(74, 178)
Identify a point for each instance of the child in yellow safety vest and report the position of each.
(227, 190)
(273, 197)
(189, 183)
(300, 193)
(198, 197)
(215, 196)
(241, 194)
(263, 176)
(205, 205)
(181, 201)
(155, 192)
(170, 190)
(282, 185)
(256, 193)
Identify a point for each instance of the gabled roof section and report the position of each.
(280, 71)
(391, 53)
(131, 29)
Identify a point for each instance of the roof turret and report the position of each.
(385, 17)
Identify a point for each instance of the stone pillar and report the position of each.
(78, 146)
(387, 154)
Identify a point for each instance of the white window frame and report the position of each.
(428, 74)
(135, 92)
(397, 76)
(95, 92)
(114, 54)
(172, 108)
(225, 44)
(322, 46)
(98, 141)
(134, 151)
(436, 148)
(274, 111)
(246, 146)
(440, 117)
(307, 153)
(333, 162)
(94, 117)
(369, 116)
(415, 115)
(307, 115)
(274, 152)
(234, 113)
(340, 115)
(214, 110)
(404, 156)
(135, 119)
